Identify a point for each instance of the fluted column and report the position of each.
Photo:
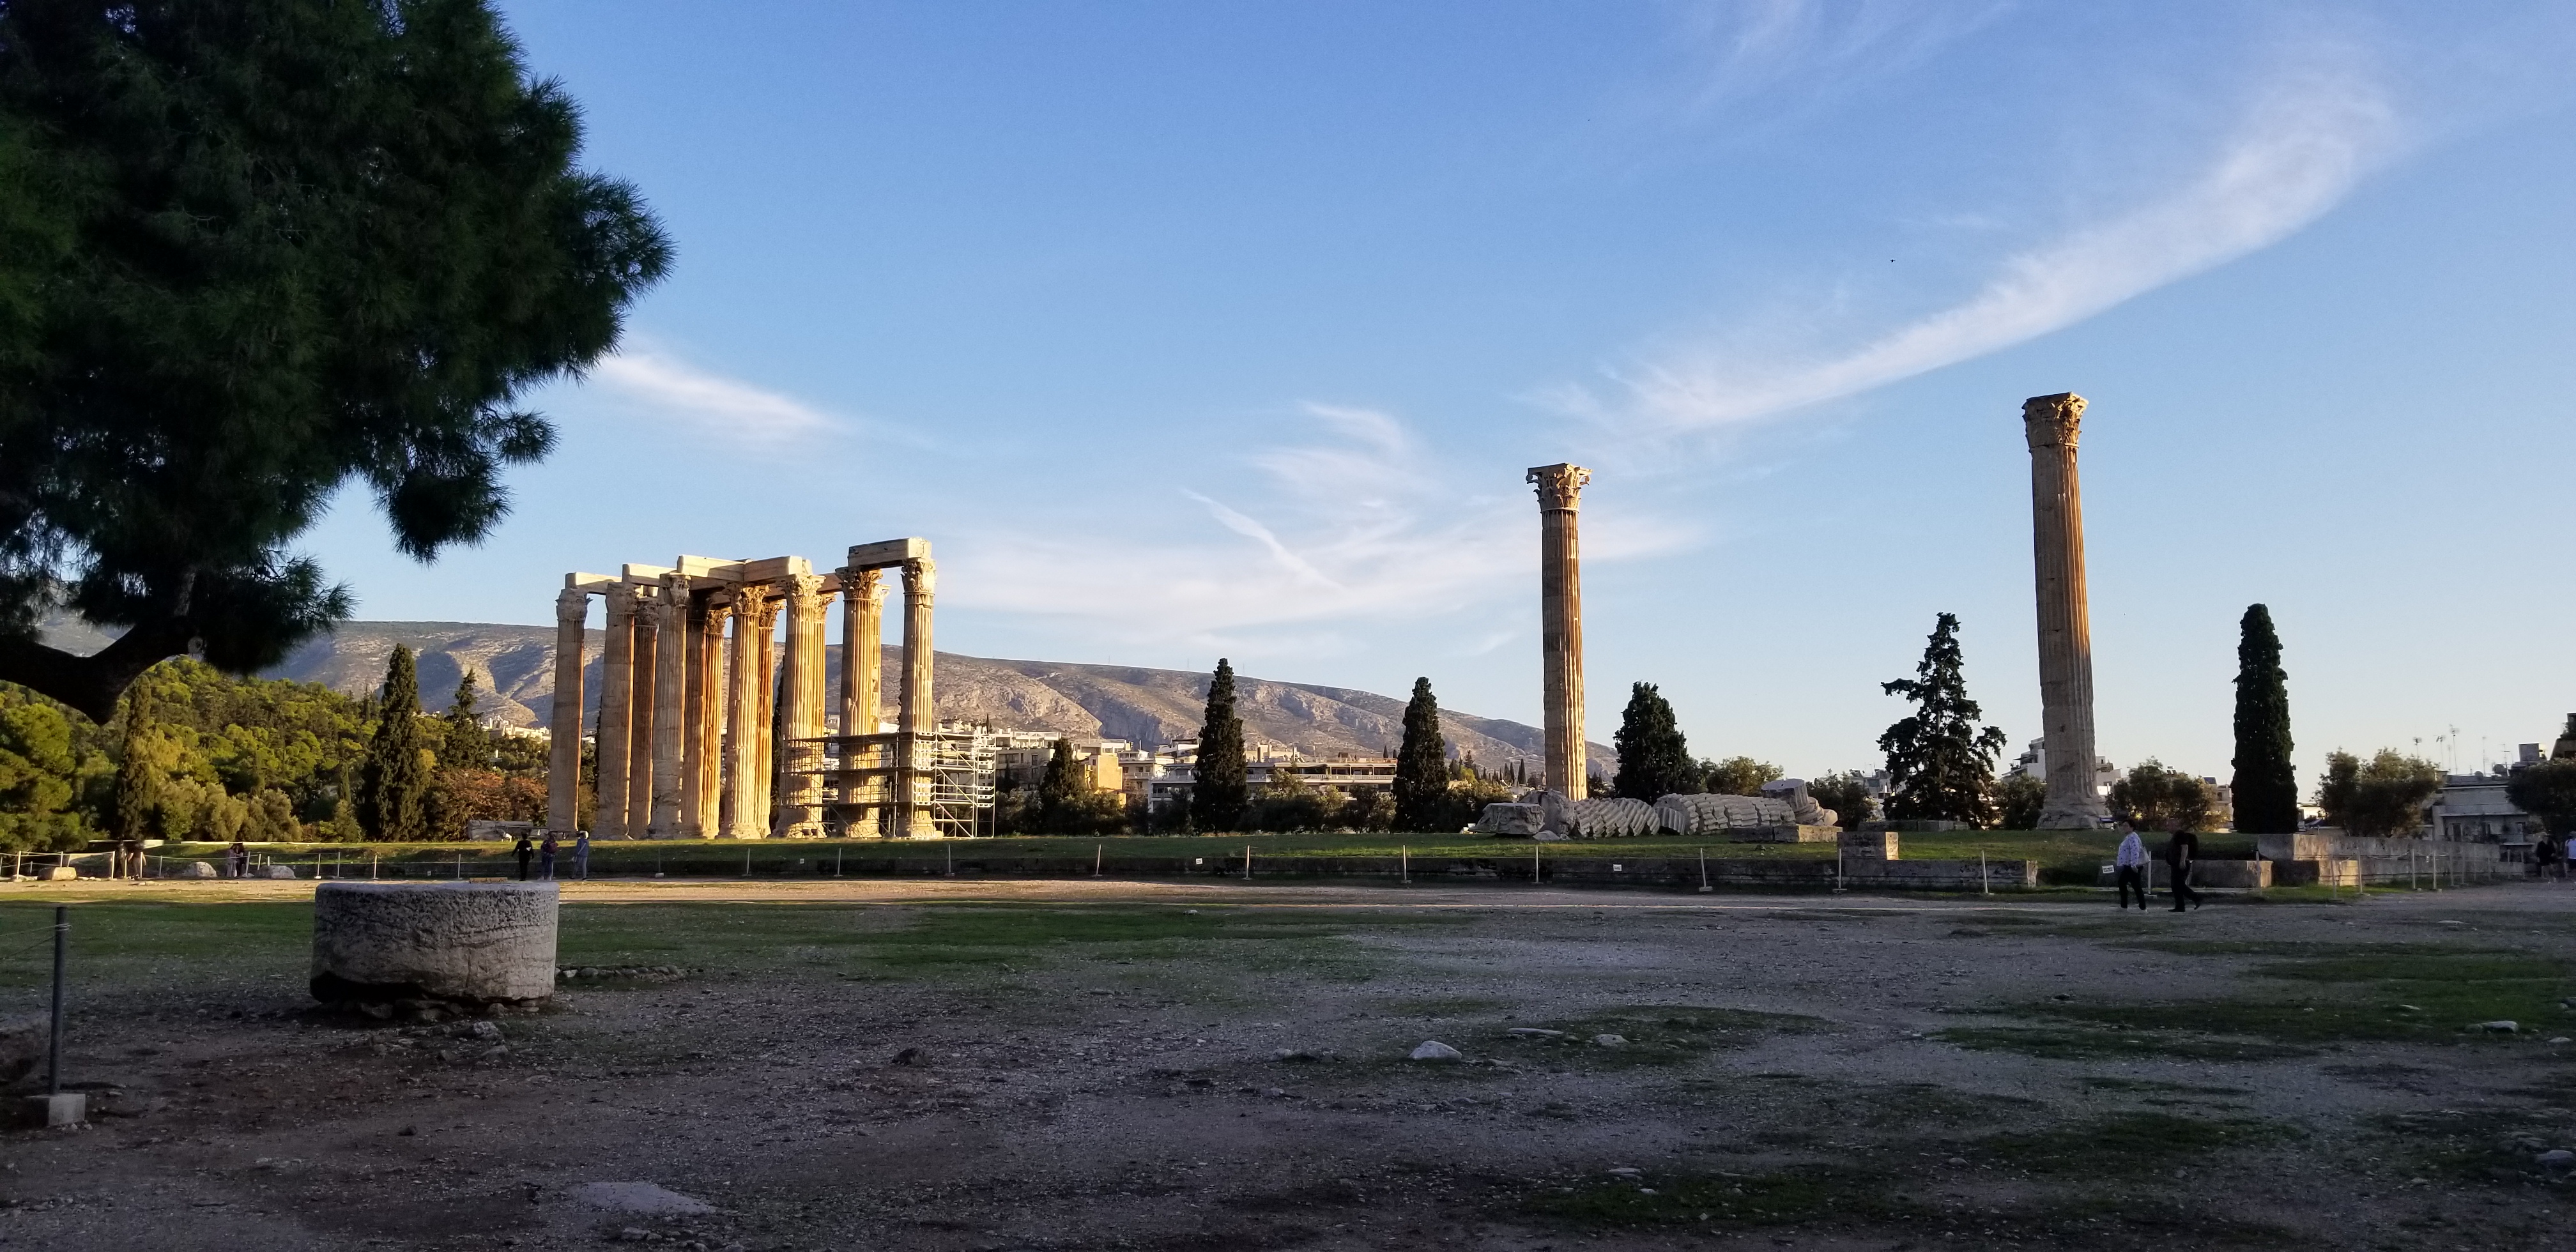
(563, 753)
(862, 655)
(765, 741)
(919, 713)
(616, 736)
(800, 799)
(647, 687)
(705, 748)
(1560, 599)
(2051, 424)
(671, 658)
(742, 814)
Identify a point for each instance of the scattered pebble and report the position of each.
(1434, 1050)
(2500, 1027)
(1610, 1041)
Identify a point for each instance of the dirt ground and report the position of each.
(999, 1066)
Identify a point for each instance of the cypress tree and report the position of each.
(2265, 788)
(1057, 789)
(1654, 760)
(1421, 765)
(1939, 764)
(463, 743)
(1221, 791)
(136, 783)
(392, 784)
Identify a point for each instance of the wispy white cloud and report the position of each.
(712, 403)
(2296, 152)
(1792, 52)
(1356, 522)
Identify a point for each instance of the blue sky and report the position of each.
(1188, 330)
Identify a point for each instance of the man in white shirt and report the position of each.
(2130, 866)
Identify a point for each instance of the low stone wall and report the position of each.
(2388, 862)
(1784, 834)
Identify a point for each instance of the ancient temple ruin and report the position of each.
(709, 729)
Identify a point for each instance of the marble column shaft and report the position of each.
(671, 657)
(615, 737)
(647, 700)
(800, 813)
(563, 752)
(2051, 424)
(742, 816)
(919, 713)
(862, 659)
(765, 740)
(707, 704)
(1560, 495)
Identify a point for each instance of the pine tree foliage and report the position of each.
(1222, 788)
(1421, 765)
(1654, 759)
(1940, 765)
(2265, 789)
(393, 783)
(250, 251)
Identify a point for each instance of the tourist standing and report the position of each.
(581, 855)
(2130, 867)
(527, 850)
(241, 859)
(2548, 857)
(2180, 852)
(546, 858)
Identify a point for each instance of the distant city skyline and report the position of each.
(1189, 331)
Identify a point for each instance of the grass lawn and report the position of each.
(2063, 855)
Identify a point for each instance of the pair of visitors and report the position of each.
(2129, 867)
(2180, 851)
(241, 859)
(527, 851)
(581, 856)
(546, 858)
(2549, 858)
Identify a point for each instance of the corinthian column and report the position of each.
(919, 715)
(647, 687)
(671, 658)
(765, 737)
(1560, 604)
(800, 800)
(743, 815)
(2050, 423)
(705, 747)
(563, 750)
(862, 655)
(616, 735)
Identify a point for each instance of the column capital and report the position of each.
(1560, 486)
(920, 578)
(572, 606)
(2052, 421)
(759, 605)
(803, 592)
(863, 584)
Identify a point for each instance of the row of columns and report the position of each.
(691, 718)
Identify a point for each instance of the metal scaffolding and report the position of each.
(874, 781)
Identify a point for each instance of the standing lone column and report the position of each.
(765, 730)
(563, 751)
(1560, 598)
(616, 737)
(800, 813)
(2050, 424)
(672, 656)
(920, 581)
(862, 656)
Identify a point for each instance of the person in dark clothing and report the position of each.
(546, 858)
(2180, 852)
(241, 859)
(526, 851)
